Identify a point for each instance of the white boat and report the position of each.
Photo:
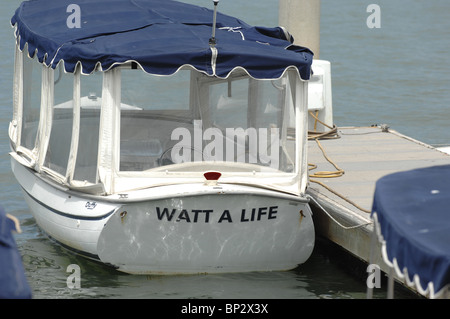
(148, 138)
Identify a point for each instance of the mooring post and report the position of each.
(302, 19)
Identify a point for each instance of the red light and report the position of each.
(212, 176)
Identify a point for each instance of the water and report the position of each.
(397, 75)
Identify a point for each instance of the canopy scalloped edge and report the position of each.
(264, 53)
(99, 67)
(428, 291)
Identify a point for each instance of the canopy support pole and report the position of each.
(212, 41)
(369, 294)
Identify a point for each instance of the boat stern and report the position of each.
(208, 234)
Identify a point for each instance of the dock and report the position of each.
(351, 163)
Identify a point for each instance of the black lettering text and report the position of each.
(261, 211)
(273, 210)
(243, 219)
(225, 216)
(166, 213)
(184, 216)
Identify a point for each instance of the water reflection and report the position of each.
(46, 269)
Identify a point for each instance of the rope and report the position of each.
(341, 196)
(327, 174)
(332, 133)
(334, 219)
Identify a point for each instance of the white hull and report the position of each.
(190, 229)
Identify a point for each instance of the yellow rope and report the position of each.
(327, 174)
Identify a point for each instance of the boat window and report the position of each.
(247, 116)
(61, 133)
(151, 108)
(32, 79)
(90, 103)
(246, 103)
(145, 92)
(236, 121)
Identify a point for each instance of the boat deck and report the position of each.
(365, 154)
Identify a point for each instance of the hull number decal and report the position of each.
(90, 205)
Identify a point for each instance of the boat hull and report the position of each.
(229, 229)
(208, 233)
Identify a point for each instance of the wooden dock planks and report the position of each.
(365, 154)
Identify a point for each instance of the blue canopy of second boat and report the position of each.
(412, 211)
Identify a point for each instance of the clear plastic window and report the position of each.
(246, 119)
(90, 102)
(32, 79)
(61, 134)
(142, 91)
(235, 124)
(151, 108)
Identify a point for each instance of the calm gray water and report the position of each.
(398, 75)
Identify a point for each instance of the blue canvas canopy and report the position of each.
(160, 35)
(413, 215)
